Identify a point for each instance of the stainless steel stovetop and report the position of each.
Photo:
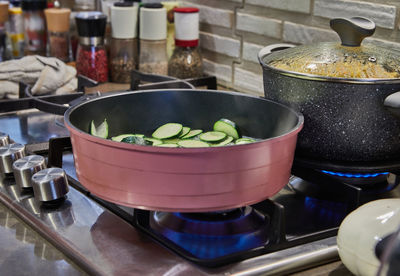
(100, 242)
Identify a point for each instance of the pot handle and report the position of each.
(392, 103)
(273, 48)
(353, 30)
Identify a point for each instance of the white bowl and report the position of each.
(362, 229)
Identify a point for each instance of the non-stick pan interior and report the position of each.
(143, 112)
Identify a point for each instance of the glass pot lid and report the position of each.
(349, 60)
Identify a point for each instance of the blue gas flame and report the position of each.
(355, 175)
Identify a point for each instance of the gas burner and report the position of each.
(349, 168)
(358, 179)
(214, 234)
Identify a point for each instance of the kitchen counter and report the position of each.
(25, 252)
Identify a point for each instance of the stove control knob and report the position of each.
(50, 185)
(4, 139)
(25, 168)
(8, 155)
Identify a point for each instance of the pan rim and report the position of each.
(293, 131)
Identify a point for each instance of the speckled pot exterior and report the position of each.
(343, 121)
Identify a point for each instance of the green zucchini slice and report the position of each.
(226, 126)
(99, 131)
(168, 145)
(212, 136)
(189, 143)
(167, 131)
(225, 142)
(192, 133)
(136, 139)
(154, 141)
(185, 130)
(120, 137)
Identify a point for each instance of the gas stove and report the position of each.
(294, 230)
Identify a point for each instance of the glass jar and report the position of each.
(91, 56)
(123, 45)
(59, 45)
(185, 63)
(91, 61)
(58, 32)
(16, 32)
(123, 59)
(35, 27)
(153, 57)
(3, 46)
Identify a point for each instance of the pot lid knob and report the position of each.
(4, 139)
(25, 168)
(9, 154)
(353, 30)
(50, 184)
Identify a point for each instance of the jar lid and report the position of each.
(186, 26)
(123, 4)
(153, 6)
(91, 24)
(32, 5)
(153, 22)
(331, 60)
(3, 12)
(124, 20)
(15, 10)
(57, 19)
(186, 9)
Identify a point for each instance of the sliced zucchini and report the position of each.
(192, 133)
(225, 142)
(212, 136)
(233, 124)
(226, 126)
(167, 131)
(168, 145)
(154, 141)
(171, 141)
(100, 131)
(185, 130)
(120, 137)
(245, 139)
(189, 143)
(138, 140)
(242, 141)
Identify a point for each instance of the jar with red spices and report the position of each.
(91, 56)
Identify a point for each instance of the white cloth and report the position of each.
(45, 74)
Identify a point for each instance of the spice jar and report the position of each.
(153, 39)
(123, 50)
(3, 33)
(186, 61)
(58, 32)
(35, 26)
(91, 57)
(16, 31)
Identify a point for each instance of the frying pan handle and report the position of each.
(353, 30)
(392, 103)
(273, 48)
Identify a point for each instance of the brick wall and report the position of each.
(233, 31)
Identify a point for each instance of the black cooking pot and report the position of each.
(343, 92)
